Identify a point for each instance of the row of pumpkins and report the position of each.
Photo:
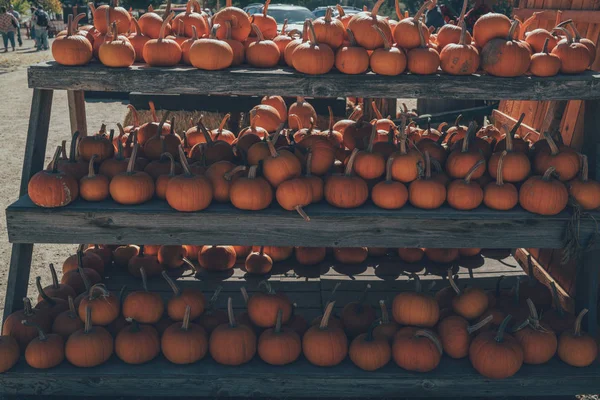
(346, 164)
(351, 44)
(139, 325)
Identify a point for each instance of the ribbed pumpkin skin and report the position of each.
(221, 54)
(313, 59)
(495, 360)
(416, 309)
(240, 24)
(130, 189)
(9, 351)
(325, 347)
(72, 50)
(263, 54)
(162, 54)
(49, 190)
(361, 24)
(189, 193)
(116, 14)
(490, 26)
(390, 62)
(505, 58)
(346, 192)
(351, 60)
(150, 24)
(543, 197)
(545, 65)
(117, 54)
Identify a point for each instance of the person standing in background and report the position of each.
(8, 27)
(17, 16)
(434, 17)
(40, 20)
(480, 8)
(32, 26)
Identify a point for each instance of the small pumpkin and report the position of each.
(543, 195)
(150, 23)
(461, 58)
(108, 14)
(425, 192)
(279, 346)
(499, 195)
(451, 33)
(368, 164)
(57, 289)
(9, 353)
(45, 351)
(544, 63)
(188, 192)
(350, 255)
(416, 349)
(252, 192)
(185, 342)
(68, 321)
(310, 255)
(575, 57)
(460, 161)
(181, 299)
(104, 304)
(52, 188)
(93, 187)
(193, 17)
(351, 59)
(358, 316)
(116, 51)
(52, 306)
(330, 31)
(415, 308)
(575, 347)
(137, 344)
(263, 307)
(538, 341)
(389, 194)
(422, 60)
(313, 57)
(506, 57)
(90, 346)
(132, 187)
(490, 26)
(145, 307)
(361, 25)
(71, 49)
(324, 345)
(258, 262)
(516, 163)
(456, 334)
(280, 166)
(406, 33)
(212, 316)
(240, 23)
(469, 303)
(411, 255)
(464, 194)
(232, 343)
(346, 191)
(369, 351)
(263, 53)
(23, 334)
(210, 53)
(585, 191)
(217, 258)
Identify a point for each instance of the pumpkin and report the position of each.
(252, 192)
(80, 279)
(90, 346)
(310, 255)
(543, 195)
(343, 17)
(469, 303)
(172, 256)
(461, 58)
(137, 344)
(106, 15)
(346, 191)
(280, 166)
(132, 187)
(184, 343)
(350, 255)
(67, 322)
(262, 53)
(238, 49)
(416, 349)
(575, 57)
(538, 341)
(516, 164)
(455, 334)
(577, 348)
(193, 17)
(248, 137)
(279, 346)
(351, 59)
(23, 334)
(116, 51)
(102, 251)
(411, 255)
(451, 33)
(442, 256)
(496, 355)
(9, 353)
(405, 164)
(52, 188)
(464, 194)
(72, 165)
(384, 327)
(369, 351)
(294, 43)
(315, 182)
(240, 23)
(506, 57)
(212, 317)
(267, 117)
(210, 53)
(312, 57)
(263, 307)
(97, 144)
(536, 38)
(460, 161)
(188, 192)
(565, 161)
(114, 166)
(434, 147)
(143, 306)
(46, 350)
(356, 135)
(282, 40)
(324, 345)
(591, 46)
(212, 150)
(160, 143)
(52, 306)
(104, 305)
(162, 179)
(278, 104)
(232, 343)
(123, 254)
(71, 49)
(341, 125)
(422, 60)
(93, 187)
(162, 52)
(259, 262)
(329, 31)
(415, 308)
(181, 299)
(406, 33)
(368, 164)
(138, 40)
(150, 23)
(218, 176)
(545, 64)
(490, 26)
(217, 258)
(499, 195)
(361, 24)
(357, 316)
(557, 318)
(389, 194)
(294, 194)
(57, 289)
(387, 60)
(586, 192)
(425, 192)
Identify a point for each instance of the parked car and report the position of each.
(295, 15)
(320, 11)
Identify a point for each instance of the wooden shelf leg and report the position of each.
(591, 139)
(587, 289)
(33, 161)
(76, 102)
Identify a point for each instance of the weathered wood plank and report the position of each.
(501, 118)
(298, 380)
(285, 82)
(156, 222)
(76, 101)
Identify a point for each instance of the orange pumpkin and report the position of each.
(232, 343)
(389, 194)
(586, 192)
(324, 345)
(516, 164)
(417, 349)
(368, 164)
(499, 195)
(351, 59)
(370, 352)
(262, 53)
(564, 160)
(188, 192)
(150, 23)
(52, 188)
(537, 339)
(263, 306)
(423, 60)
(184, 343)
(406, 33)
(543, 195)
(387, 60)
(426, 192)
(313, 57)
(506, 57)
(451, 33)
(193, 17)
(575, 57)
(181, 299)
(460, 161)
(577, 348)
(455, 334)
(90, 346)
(415, 308)
(490, 26)
(461, 58)
(361, 24)
(279, 346)
(240, 23)
(116, 51)
(110, 14)
(210, 53)
(71, 49)
(544, 63)
(346, 191)
(464, 194)
(132, 187)
(252, 192)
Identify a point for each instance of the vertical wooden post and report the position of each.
(76, 102)
(33, 161)
(591, 139)
(385, 106)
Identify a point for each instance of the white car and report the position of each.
(295, 15)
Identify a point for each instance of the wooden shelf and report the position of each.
(155, 222)
(298, 380)
(286, 82)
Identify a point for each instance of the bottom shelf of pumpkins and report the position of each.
(469, 322)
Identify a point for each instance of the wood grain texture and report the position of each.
(156, 222)
(298, 380)
(524, 130)
(285, 82)
(76, 102)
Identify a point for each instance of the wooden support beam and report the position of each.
(500, 119)
(76, 101)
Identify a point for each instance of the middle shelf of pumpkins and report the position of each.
(233, 304)
(282, 180)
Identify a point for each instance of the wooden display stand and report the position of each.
(155, 222)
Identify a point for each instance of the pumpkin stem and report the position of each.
(511, 32)
(351, 38)
(27, 309)
(386, 42)
(224, 121)
(272, 150)
(350, 164)
(285, 22)
(557, 304)
(55, 283)
(463, 32)
(161, 34)
(184, 163)
(421, 11)
(473, 169)
(326, 315)
(376, 8)
(502, 328)
(63, 150)
(312, 35)
(548, 174)
(215, 296)
(278, 321)
(421, 36)
(452, 283)
(480, 324)
(229, 174)
(566, 32)
(258, 33)
(38, 285)
(534, 317)
(545, 47)
(385, 317)
(72, 312)
(431, 336)
(328, 14)
(341, 12)
(91, 172)
(469, 135)
(584, 176)
(70, 25)
(171, 283)
(332, 294)
(54, 162)
(372, 138)
(499, 180)
(144, 277)
(232, 323)
(243, 289)
(138, 30)
(171, 168)
(577, 330)
(88, 319)
(388, 169)
(99, 287)
(252, 171)
(267, 286)
(427, 165)
(41, 335)
(376, 110)
(308, 163)
(302, 213)
(131, 164)
(185, 326)
(418, 285)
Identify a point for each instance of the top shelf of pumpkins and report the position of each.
(345, 164)
(351, 44)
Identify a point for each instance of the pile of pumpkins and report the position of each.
(351, 44)
(139, 325)
(352, 160)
